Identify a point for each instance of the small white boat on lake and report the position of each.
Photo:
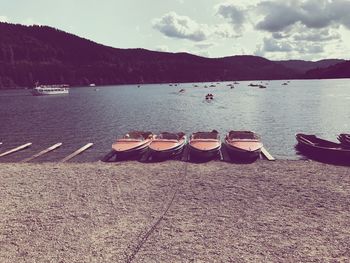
(50, 90)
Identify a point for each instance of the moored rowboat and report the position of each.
(132, 144)
(166, 145)
(204, 145)
(243, 145)
(322, 149)
(344, 139)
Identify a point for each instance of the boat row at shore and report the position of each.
(240, 145)
(243, 146)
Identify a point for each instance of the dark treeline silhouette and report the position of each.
(50, 56)
(340, 70)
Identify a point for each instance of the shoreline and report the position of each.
(174, 212)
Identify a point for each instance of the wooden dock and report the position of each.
(77, 152)
(267, 155)
(51, 148)
(16, 149)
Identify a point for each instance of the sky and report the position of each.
(275, 29)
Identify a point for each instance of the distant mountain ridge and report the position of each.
(40, 53)
(302, 66)
(340, 70)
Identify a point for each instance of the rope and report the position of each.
(154, 226)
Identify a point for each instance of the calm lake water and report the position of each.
(87, 115)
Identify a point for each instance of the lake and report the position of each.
(99, 114)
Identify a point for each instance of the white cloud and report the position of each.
(204, 45)
(271, 45)
(3, 19)
(30, 21)
(162, 48)
(224, 31)
(289, 48)
(183, 27)
(317, 35)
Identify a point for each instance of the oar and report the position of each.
(267, 155)
(79, 151)
(16, 149)
(53, 147)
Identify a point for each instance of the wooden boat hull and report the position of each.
(243, 145)
(320, 149)
(131, 152)
(200, 154)
(242, 154)
(204, 145)
(344, 139)
(165, 149)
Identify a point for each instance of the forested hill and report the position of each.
(340, 70)
(40, 53)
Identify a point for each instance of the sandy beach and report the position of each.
(283, 211)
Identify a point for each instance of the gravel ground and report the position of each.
(283, 211)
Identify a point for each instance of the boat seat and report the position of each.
(204, 140)
(243, 140)
(129, 140)
(164, 140)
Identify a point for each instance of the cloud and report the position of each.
(30, 21)
(313, 49)
(271, 45)
(3, 19)
(224, 31)
(183, 27)
(317, 35)
(278, 35)
(235, 15)
(279, 15)
(162, 48)
(204, 45)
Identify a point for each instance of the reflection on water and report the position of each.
(88, 115)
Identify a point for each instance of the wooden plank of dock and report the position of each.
(16, 149)
(51, 148)
(79, 151)
(225, 155)
(185, 153)
(267, 154)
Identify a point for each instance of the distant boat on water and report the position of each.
(257, 85)
(50, 90)
(92, 85)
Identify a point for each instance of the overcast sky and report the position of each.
(275, 29)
